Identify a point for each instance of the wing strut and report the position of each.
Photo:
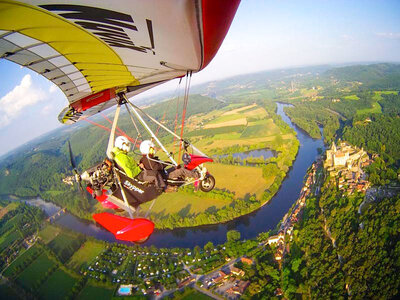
(139, 117)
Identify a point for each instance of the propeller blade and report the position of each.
(77, 176)
(71, 157)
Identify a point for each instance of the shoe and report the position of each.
(170, 189)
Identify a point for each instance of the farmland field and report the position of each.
(64, 245)
(19, 262)
(241, 180)
(91, 292)
(8, 238)
(35, 271)
(8, 208)
(352, 97)
(49, 233)
(83, 257)
(375, 109)
(184, 204)
(10, 224)
(59, 283)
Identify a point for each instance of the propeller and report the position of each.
(77, 175)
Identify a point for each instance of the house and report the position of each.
(246, 260)
(222, 276)
(237, 271)
(186, 282)
(240, 288)
(275, 238)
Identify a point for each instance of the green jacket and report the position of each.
(126, 162)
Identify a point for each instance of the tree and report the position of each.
(232, 236)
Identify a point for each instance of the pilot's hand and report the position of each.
(141, 166)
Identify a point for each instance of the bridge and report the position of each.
(56, 215)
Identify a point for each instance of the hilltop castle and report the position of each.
(343, 156)
(345, 164)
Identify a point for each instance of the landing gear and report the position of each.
(208, 183)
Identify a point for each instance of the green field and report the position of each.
(91, 292)
(35, 271)
(49, 233)
(62, 245)
(376, 107)
(10, 224)
(21, 260)
(226, 118)
(59, 283)
(7, 239)
(241, 180)
(378, 94)
(260, 128)
(83, 257)
(184, 204)
(352, 97)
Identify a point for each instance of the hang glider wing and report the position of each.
(94, 49)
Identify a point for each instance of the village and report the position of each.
(344, 165)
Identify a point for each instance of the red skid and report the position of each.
(125, 229)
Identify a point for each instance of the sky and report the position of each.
(264, 35)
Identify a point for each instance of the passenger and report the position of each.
(152, 167)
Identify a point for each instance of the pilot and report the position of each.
(123, 160)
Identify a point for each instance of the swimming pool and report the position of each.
(125, 290)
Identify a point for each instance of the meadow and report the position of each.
(64, 245)
(86, 253)
(90, 292)
(35, 271)
(8, 238)
(49, 233)
(59, 283)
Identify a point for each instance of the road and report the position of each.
(208, 293)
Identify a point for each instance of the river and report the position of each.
(249, 226)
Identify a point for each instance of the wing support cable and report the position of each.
(139, 117)
(166, 129)
(185, 103)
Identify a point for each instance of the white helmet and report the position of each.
(123, 143)
(145, 147)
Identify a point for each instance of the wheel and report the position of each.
(207, 184)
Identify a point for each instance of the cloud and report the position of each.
(389, 35)
(22, 96)
(47, 110)
(53, 88)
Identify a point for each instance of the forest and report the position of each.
(338, 252)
